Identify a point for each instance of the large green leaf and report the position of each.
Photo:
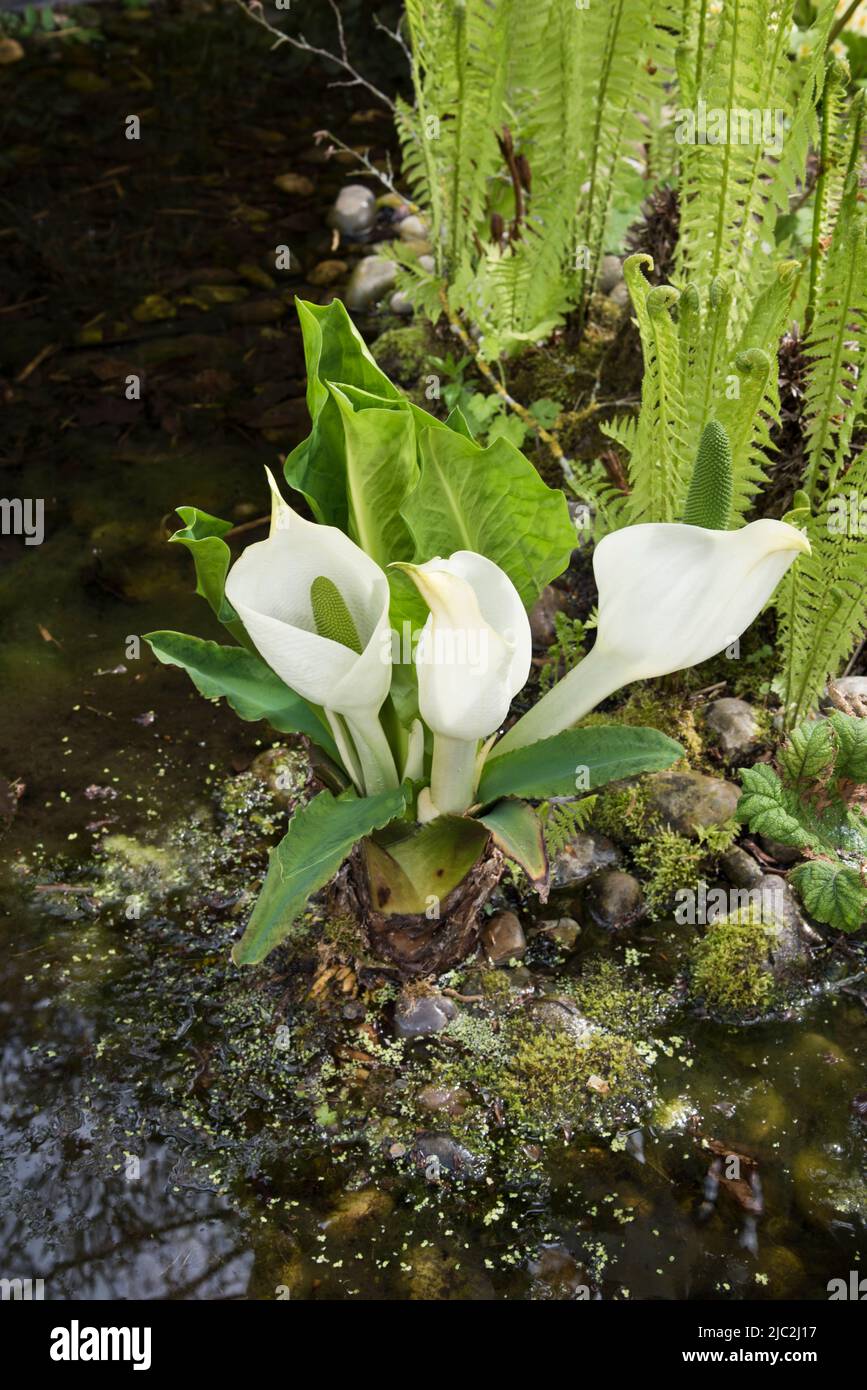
(577, 760)
(319, 838)
(769, 809)
(245, 681)
(833, 893)
(408, 872)
(852, 746)
(334, 351)
(517, 831)
(203, 537)
(381, 471)
(492, 501)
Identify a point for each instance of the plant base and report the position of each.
(414, 944)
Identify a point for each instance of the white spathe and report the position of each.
(475, 648)
(472, 658)
(670, 596)
(269, 588)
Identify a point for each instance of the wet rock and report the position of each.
(564, 930)
(427, 263)
(285, 772)
(615, 898)
(439, 1153)
(550, 602)
(355, 1209)
(503, 938)
(401, 305)
(562, 1015)
(583, 857)
(422, 1015)
(327, 272)
(783, 854)
(790, 947)
(557, 1275)
(859, 1107)
(740, 868)
(827, 1192)
(445, 1100)
(371, 279)
(610, 274)
(684, 801)
(298, 184)
(354, 212)
(734, 724)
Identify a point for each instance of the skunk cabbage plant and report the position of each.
(392, 632)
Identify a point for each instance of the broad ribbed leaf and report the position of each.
(245, 681)
(491, 501)
(320, 836)
(577, 760)
(833, 893)
(334, 351)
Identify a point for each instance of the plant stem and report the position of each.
(520, 410)
(819, 205)
(597, 676)
(453, 774)
(841, 23)
(374, 755)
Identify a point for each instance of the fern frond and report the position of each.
(822, 603)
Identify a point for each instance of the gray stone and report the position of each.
(734, 724)
(400, 304)
(370, 281)
(427, 263)
(422, 1015)
(354, 212)
(615, 898)
(550, 602)
(583, 857)
(683, 801)
(740, 868)
(445, 1100)
(610, 274)
(438, 1153)
(789, 948)
(620, 295)
(412, 229)
(564, 930)
(503, 937)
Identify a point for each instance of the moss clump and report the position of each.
(621, 813)
(651, 708)
(403, 353)
(671, 863)
(730, 970)
(610, 995)
(553, 1083)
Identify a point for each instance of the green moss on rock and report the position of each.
(730, 970)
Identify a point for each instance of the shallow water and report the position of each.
(171, 1127)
